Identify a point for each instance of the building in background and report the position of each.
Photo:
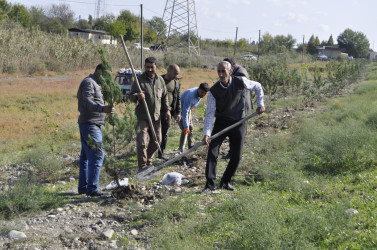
(96, 36)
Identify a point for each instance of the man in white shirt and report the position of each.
(226, 101)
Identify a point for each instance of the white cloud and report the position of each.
(324, 27)
(278, 23)
(321, 13)
(299, 18)
(246, 2)
(291, 3)
(240, 2)
(226, 17)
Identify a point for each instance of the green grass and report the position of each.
(28, 196)
(305, 178)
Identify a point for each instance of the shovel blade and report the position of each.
(147, 173)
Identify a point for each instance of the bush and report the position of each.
(26, 196)
(12, 68)
(36, 66)
(48, 166)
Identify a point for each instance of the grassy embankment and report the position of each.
(307, 178)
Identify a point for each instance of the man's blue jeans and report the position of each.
(91, 158)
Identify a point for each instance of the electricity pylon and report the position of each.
(99, 8)
(182, 30)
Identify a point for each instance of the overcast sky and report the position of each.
(218, 19)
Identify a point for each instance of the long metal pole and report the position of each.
(141, 37)
(144, 102)
(258, 45)
(235, 42)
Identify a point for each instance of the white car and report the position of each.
(249, 57)
(322, 57)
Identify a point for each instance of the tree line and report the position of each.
(59, 18)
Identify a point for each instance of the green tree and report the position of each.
(4, 9)
(150, 35)
(19, 13)
(312, 44)
(159, 26)
(116, 28)
(267, 43)
(38, 16)
(284, 42)
(242, 43)
(102, 22)
(356, 43)
(132, 25)
(83, 24)
(330, 42)
(54, 26)
(63, 13)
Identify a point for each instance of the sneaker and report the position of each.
(208, 190)
(227, 186)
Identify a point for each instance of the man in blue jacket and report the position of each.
(190, 99)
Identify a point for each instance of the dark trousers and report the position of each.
(165, 125)
(236, 140)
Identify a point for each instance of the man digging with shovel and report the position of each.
(190, 99)
(226, 102)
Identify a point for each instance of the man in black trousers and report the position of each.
(226, 102)
(173, 88)
(238, 70)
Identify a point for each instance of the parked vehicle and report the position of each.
(125, 78)
(322, 57)
(249, 57)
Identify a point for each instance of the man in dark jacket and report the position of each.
(226, 102)
(93, 111)
(154, 93)
(238, 70)
(174, 97)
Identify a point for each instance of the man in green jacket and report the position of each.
(153, 91)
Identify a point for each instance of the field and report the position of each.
(307, 179)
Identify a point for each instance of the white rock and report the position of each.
(107, 234)
(134, 232)
(15, 235)
(59, 209)
(60, 182)
(351, 212)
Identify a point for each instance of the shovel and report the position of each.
(150, 172)
(186, 135)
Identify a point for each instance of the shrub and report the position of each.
(26, 196)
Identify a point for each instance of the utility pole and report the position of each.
(258, 45)
(141, 36)
(235, 43)
(303, 48)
